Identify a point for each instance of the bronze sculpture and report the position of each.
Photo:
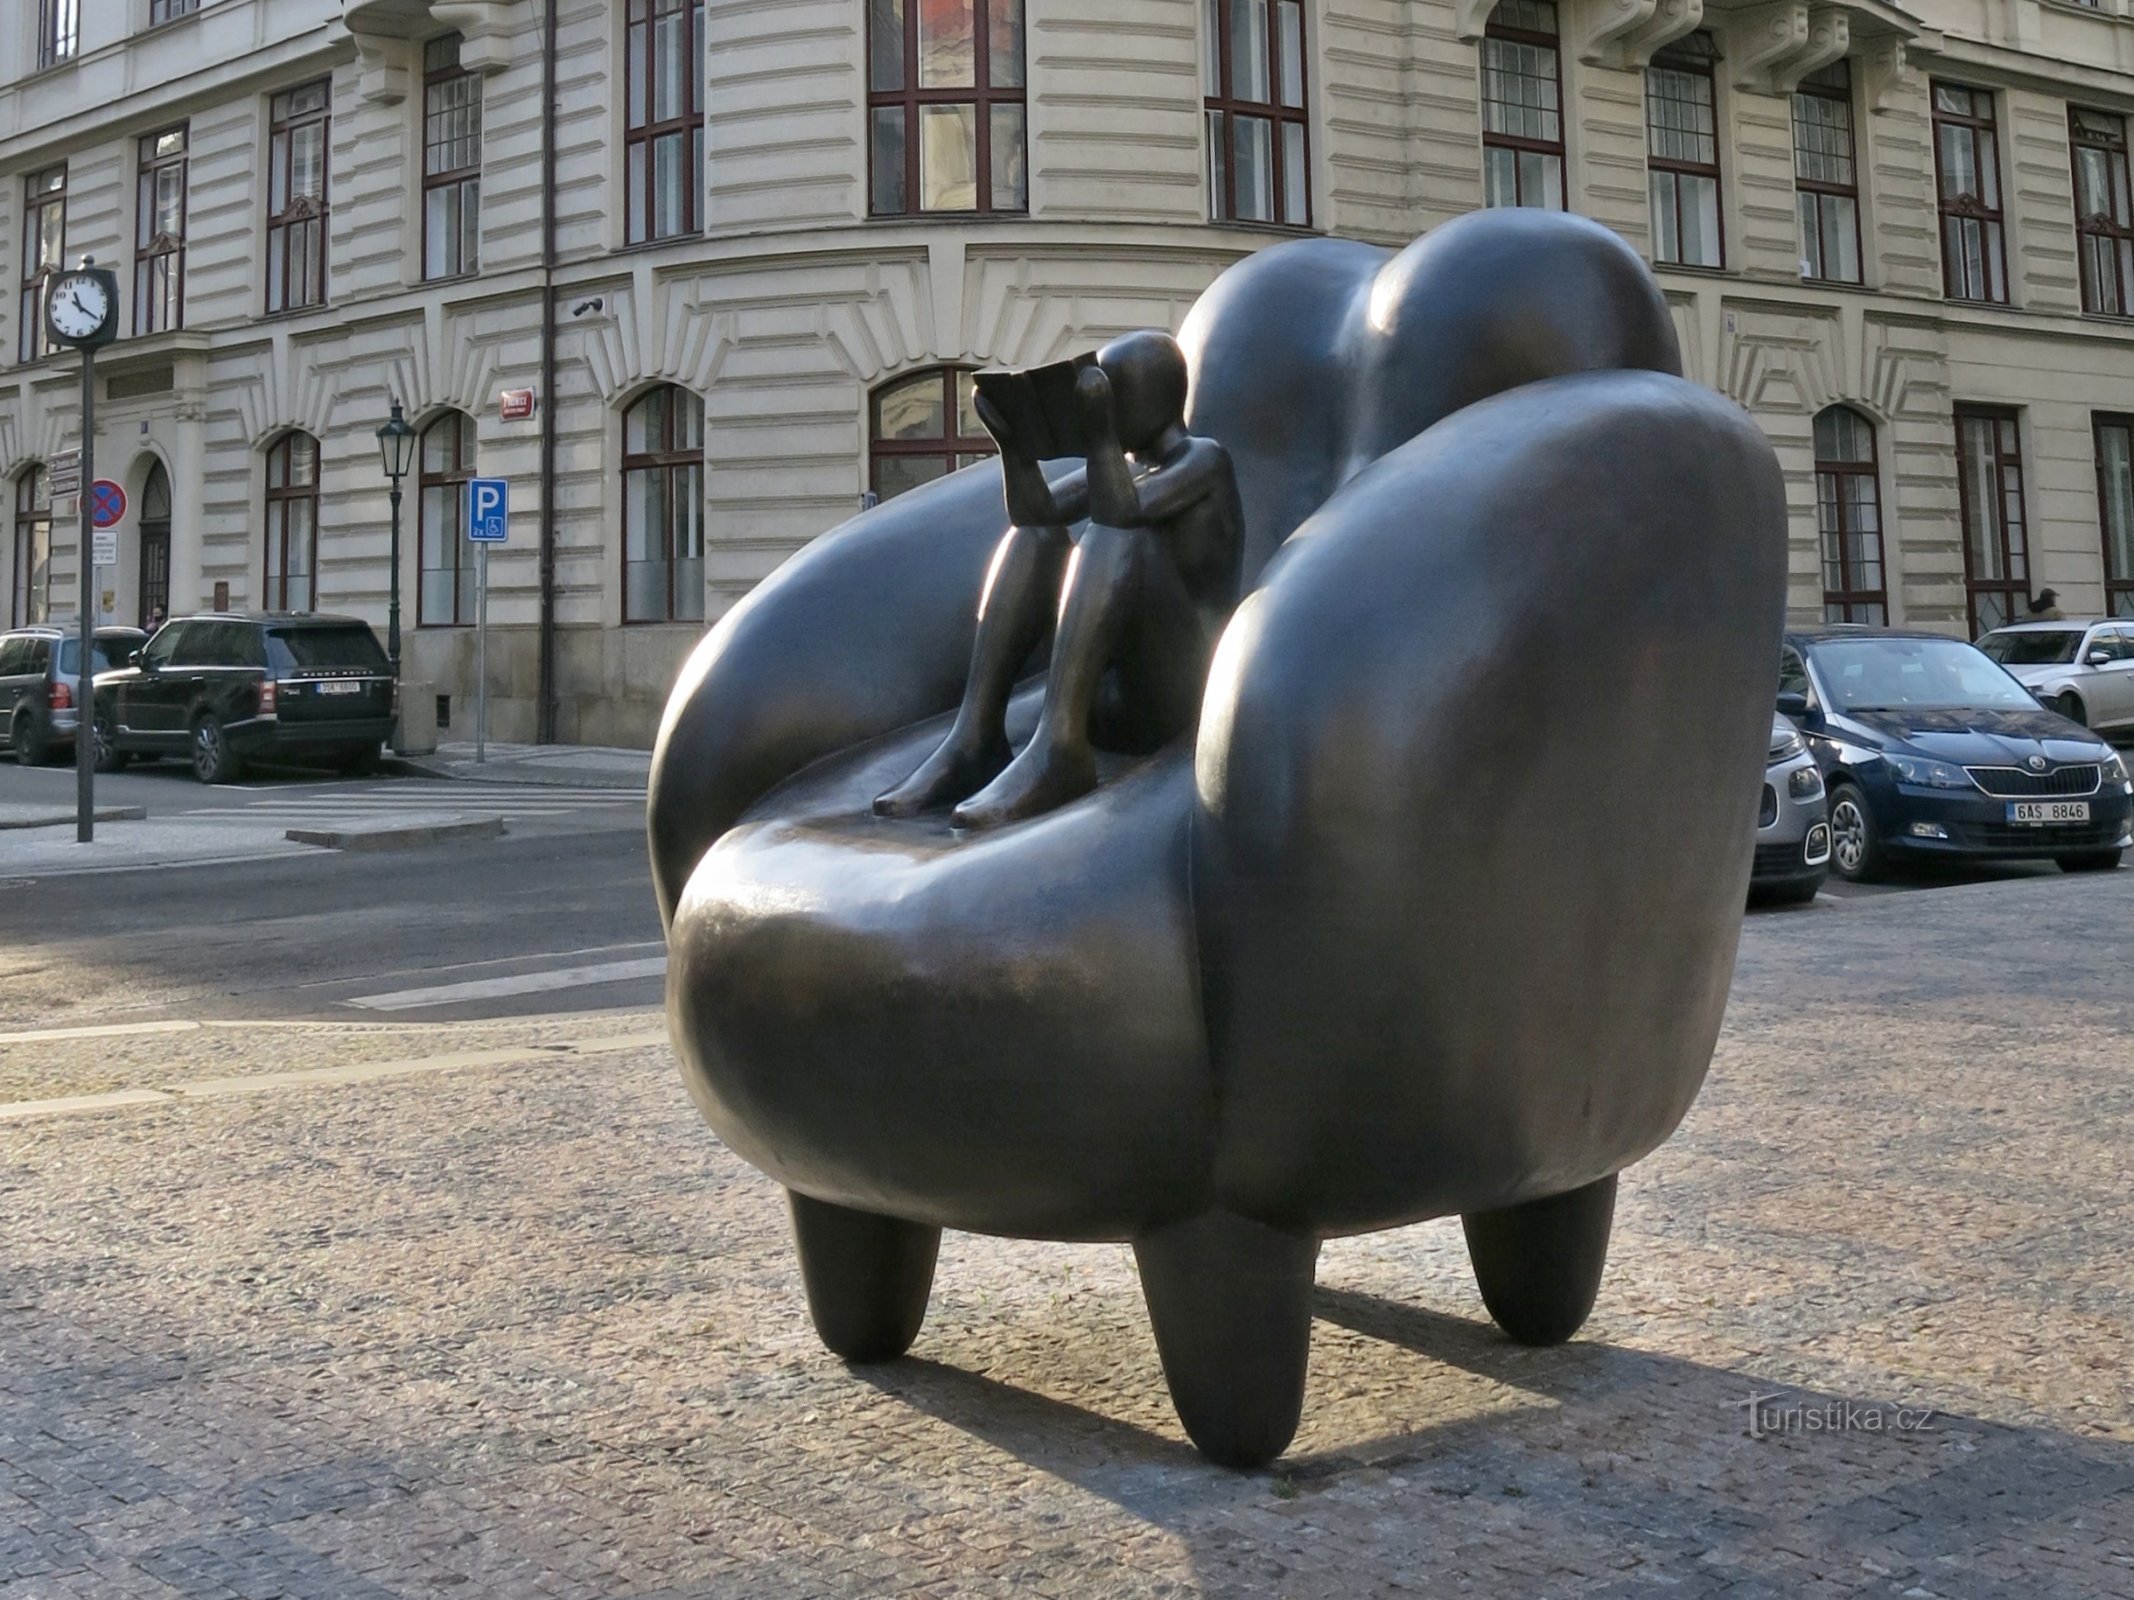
(1432, 911)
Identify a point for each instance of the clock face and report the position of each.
(80, 307)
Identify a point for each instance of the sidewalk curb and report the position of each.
(398, 836)
(59, 819)
(508, 772)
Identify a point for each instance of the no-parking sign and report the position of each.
(107, 503)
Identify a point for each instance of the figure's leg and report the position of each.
(1017, 603)
(1231, 1303)
(1539, 1265)
(867, 1277)
(1123, 600)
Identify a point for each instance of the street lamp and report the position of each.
(396, 450)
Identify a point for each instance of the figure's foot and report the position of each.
(957, 769)
(1044, 777)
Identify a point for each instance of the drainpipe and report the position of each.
(545, 721)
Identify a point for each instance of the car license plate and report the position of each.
(2048, 811)
(357, 688)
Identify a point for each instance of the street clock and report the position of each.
(82, 309)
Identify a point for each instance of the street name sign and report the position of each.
(64, 474)
(517, 405)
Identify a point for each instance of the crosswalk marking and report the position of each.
(478, 800)
(445, 994)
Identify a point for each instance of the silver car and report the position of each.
(2083, 670)
(1793, 824)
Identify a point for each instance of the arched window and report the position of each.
(29, 599)
(663, 507)
(445, 597)
(292, 522)
(924, 427)
(155, 546)
(1522, 107)
(945, 106)
(1848, 500)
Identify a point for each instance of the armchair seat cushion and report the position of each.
(996, 1032)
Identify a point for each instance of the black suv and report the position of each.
(231, 688)
(40, 683)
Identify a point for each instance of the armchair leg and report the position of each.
(1539, 1264)
(1231, 1303)
(867, 1277)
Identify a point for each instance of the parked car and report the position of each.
(40, 683)
(2083, 670)
(227, 689)
(1931, 751)
(1793, 826)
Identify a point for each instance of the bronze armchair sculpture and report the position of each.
(1434, 911)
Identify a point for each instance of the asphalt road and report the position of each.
(555, 916)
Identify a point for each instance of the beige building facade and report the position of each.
(741, 250)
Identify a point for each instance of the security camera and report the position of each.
(584, 306)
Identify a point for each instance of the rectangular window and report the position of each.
(1967, 157)
(1989, 476)
(1682, 154)
(663, 123)
(59, 31)
(44, 231)
(945, 107)
(2115, 506)
(160, 11)
(451, 163)
(2104, 222)
(1259, 143)
(1826, 175)
(1522, 107)
(298, 139)
(292, 509)
(29, 598)
(159, 233)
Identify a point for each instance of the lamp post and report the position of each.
(396, 452)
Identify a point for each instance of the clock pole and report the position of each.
(81, 309)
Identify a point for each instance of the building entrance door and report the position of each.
(154, 588)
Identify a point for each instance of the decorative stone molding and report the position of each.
(381, 68)
(1771, 48)
(1626, 33)
(1886, 73)
(484, 29)
(1470, 17)
(385, 32)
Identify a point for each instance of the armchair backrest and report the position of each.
(1313, 359)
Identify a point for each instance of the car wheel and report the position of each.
(28, 742)
(2090, 861)
(1856, 853)
(108, 757)
(213, 759)
(2069, 705)
(360, 762)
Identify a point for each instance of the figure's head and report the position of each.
(1148, 385)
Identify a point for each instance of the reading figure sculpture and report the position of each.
(1424, 903)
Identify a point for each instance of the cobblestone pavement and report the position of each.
(523, 1329)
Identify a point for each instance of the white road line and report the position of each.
(108, 1030)
(492, 961)
(445, 994)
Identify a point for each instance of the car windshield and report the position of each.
(2033, 647)
(70, 656)
(300, 648)
(1915, 674)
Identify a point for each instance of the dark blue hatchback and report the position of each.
(1932, 751)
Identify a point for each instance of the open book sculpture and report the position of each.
(1431, 911)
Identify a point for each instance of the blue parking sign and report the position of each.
(488, 510)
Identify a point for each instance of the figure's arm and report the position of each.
(1112, 496)
(1032, 501)
(1181, 485)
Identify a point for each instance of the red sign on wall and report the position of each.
(516, 405)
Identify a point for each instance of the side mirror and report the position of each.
(2099, 658)
(134, 657)
(1793, 705)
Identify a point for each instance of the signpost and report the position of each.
(488, 523)
(107, 503)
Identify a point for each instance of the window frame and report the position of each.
(1521, 144)
(467, 180)
(1852, 542)
(2118, 577)
(299, 211)
(34, 339)
(1697, 63)
(59, 32)
(683, 464)
(951, 447)
(2014, 547)
(453, 480)
(982, 95)
(24, 605)
(1824, 189)
(277, 502)
(152, 591)
(162, 11)
(641, 73)
(1219, 100)
(1971, 208)
(2118, 231)
(160, 251)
